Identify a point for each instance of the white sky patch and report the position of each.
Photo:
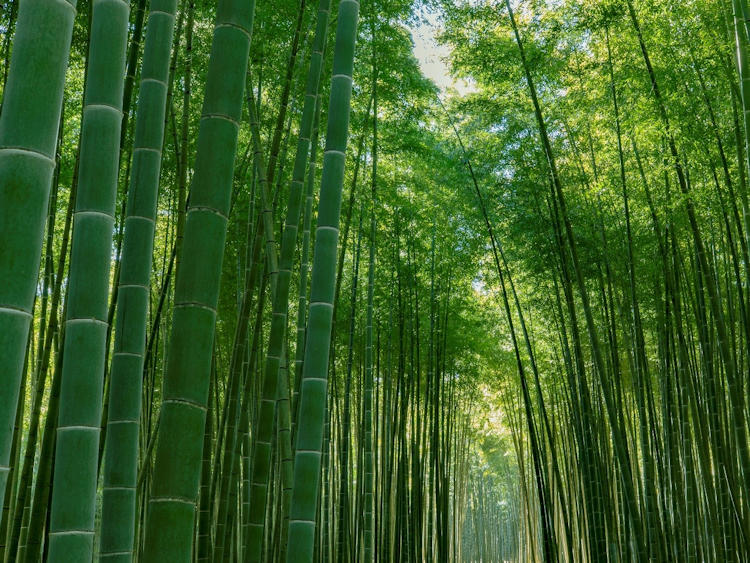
(433, 57)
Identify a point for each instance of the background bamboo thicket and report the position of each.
(268, 292)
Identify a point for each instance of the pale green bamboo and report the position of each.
(313, 393)
(32, 101)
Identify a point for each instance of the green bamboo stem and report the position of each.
(30, 550)
(270, 392)
(124, 414)
(76, 459)
(304, 268)
(309, 440)
(29, 122)
(344, 543)
(368, 531)
(177, 465)
(301, 320)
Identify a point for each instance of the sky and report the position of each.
(433, 57)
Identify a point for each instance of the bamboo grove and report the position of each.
(274, 289)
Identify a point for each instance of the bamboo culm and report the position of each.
(313, 393)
